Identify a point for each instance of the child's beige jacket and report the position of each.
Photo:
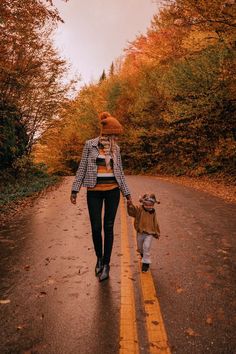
(144, 221)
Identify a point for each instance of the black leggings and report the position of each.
(95, 202)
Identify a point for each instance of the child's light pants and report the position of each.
(144, 242)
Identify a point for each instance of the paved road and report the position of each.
(52, 302)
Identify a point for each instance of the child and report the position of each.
(146, 225)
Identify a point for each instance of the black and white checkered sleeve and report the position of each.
(124, 188)
(80, 174)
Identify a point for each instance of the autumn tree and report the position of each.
(174, 92)
(31, 87)
(61, 145)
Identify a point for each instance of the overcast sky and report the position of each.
(95, 32)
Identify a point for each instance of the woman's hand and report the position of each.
(73, 197)
(129, 199)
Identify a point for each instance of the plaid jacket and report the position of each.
(86, 174)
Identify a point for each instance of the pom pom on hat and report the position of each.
(104, 115)
(109, 124)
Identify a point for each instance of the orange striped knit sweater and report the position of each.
(105, 178)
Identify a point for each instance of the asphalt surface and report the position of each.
(51, 301)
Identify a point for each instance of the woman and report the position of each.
(100, 170)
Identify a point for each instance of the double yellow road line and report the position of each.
(156, 333)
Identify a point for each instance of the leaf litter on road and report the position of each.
(209, 320)
(41, 294)
(190, 332)
(20, 327)
(179, 290)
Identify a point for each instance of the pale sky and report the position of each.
(95, 32)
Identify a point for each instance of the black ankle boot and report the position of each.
(105, 272)
(98, 267)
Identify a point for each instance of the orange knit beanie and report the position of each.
(109, 124)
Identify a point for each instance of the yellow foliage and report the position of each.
(198, 40)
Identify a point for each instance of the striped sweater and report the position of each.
(105, 178)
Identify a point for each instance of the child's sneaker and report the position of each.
(145, 267)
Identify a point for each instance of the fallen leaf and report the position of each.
(190, 332)
(131, 278)
(151, 302)
(20, 327)
(179, 290)
(3, 302)
(209, 320)
(42, 294)
(222, 251)
(155, 323)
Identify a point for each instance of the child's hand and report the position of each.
(129, 199)
(73, 198)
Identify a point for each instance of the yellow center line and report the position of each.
(157, 336)
(128, 327)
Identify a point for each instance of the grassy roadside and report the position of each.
(18, 190)
(13, 192)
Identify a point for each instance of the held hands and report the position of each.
(129, 200)
(73, 198)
